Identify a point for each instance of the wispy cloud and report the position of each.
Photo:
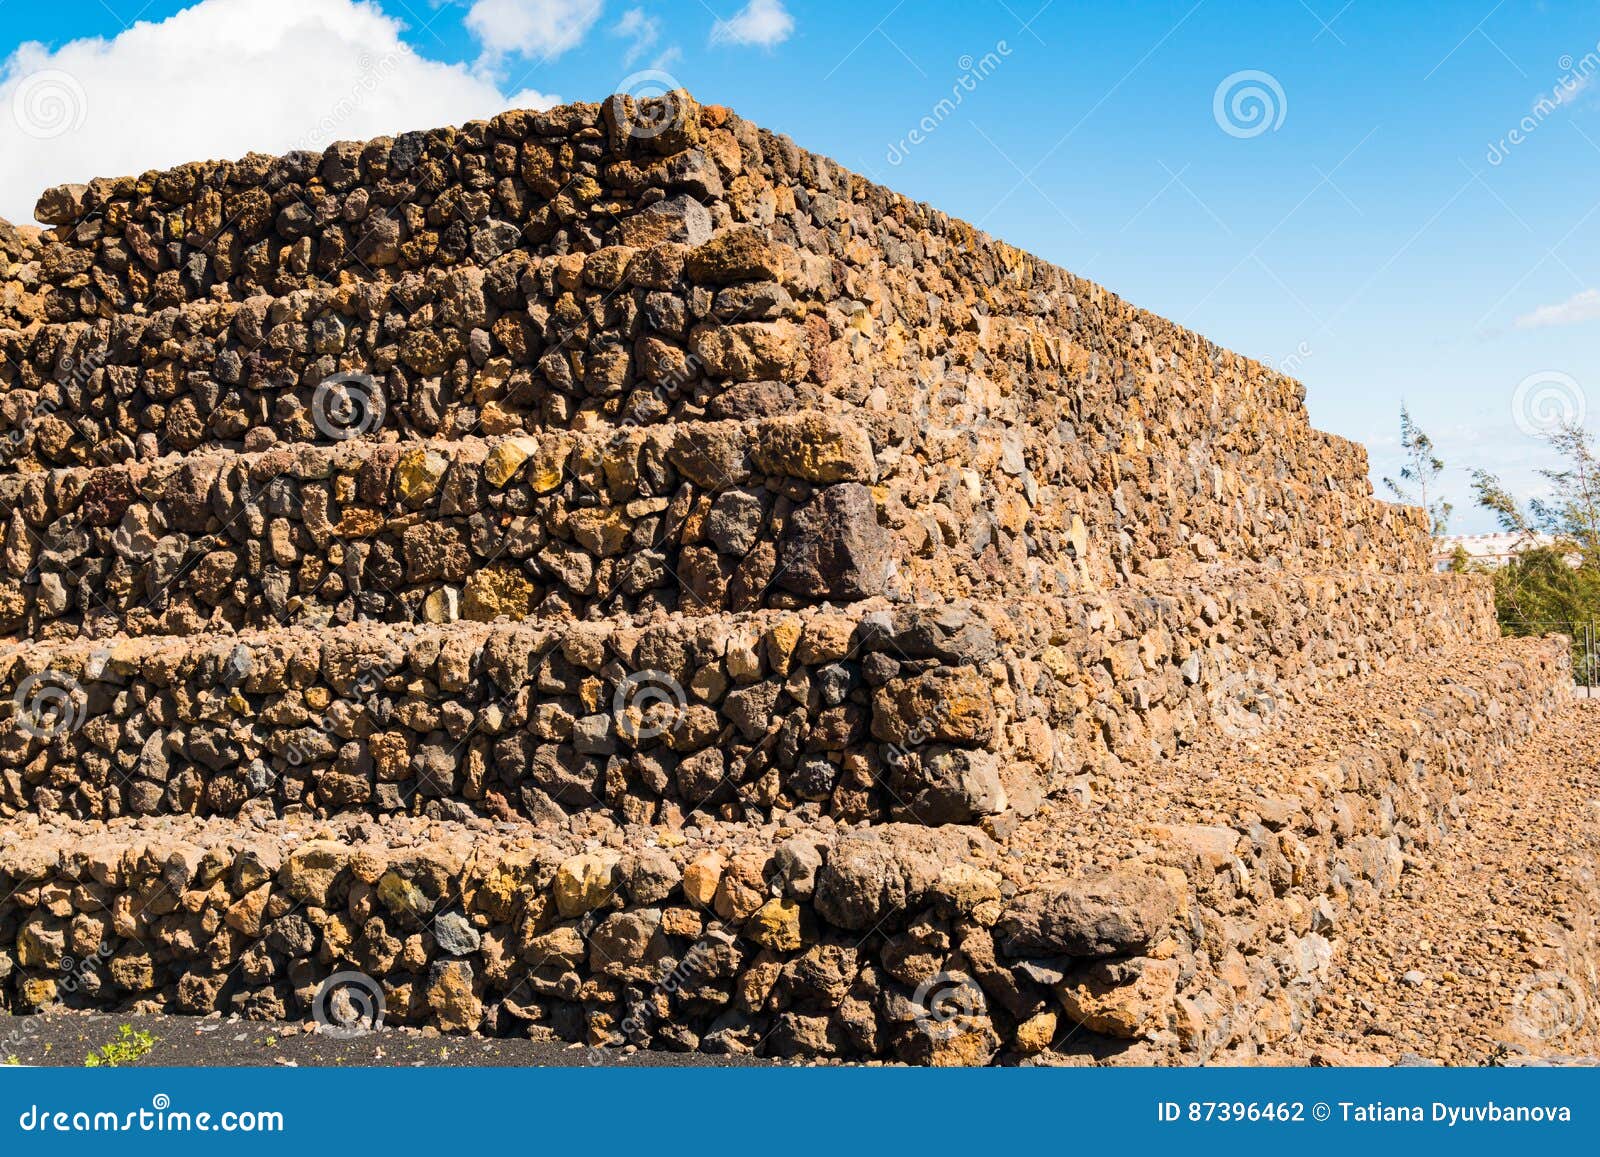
(641, 30)
(1568, 89)
(533, 29)
(297, 74)
(761, 22)
(1577, 309)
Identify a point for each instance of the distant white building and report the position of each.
(1489, 550)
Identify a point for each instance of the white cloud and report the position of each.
(1578, 308)
(541, 29)
(216, 81)
(1572, 87)
(763, 22)
(641, 30)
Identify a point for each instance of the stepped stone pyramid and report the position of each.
(609, 575)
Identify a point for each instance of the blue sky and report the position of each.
(1377, 231)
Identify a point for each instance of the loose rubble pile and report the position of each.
(609, 575)
(1490, 952)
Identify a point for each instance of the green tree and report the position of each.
(1571, 513)
(1420, 475)
(1541, 590)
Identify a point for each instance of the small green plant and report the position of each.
(127, 1047)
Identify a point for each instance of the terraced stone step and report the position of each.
(365, 210)
(473, 929)
(692, 517)
(697, 518)
(525, 344)
(653, 719)
(952, 712)
(651, 299)
(1187, 916)
(443, 353)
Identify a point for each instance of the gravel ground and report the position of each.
(66, 1039)
(1490, 955)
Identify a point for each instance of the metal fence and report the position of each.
(1585, 636)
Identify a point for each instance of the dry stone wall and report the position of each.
(951, 713)
(807, 940)
(696, 518)
(626, 545)
(693, 518)
(19, 277)
(732, 277)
